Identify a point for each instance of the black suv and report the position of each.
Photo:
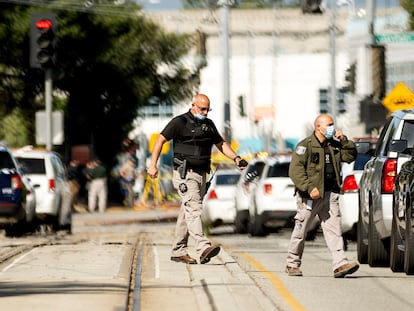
(402, 230)
(17, 196)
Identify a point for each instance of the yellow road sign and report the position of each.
(401, 97)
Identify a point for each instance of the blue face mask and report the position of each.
(330, 131)
(199, 116)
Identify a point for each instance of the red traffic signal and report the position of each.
(43, 40)
(44, 24)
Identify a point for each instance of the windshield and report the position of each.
(230, 179)
(279, 170)
(32, 166)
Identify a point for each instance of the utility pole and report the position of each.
(48, 107)
(371, 7)
(225, 8)
(332, 47)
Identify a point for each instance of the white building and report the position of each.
(279, 59)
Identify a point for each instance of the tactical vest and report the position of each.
(196, 149)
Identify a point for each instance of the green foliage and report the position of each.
(408, 5)
(108, 66)
(12, 129)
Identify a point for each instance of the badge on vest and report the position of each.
(183, 188)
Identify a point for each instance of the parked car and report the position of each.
(351, 175)
(402, 229)
(244, 188)
(272, 197)
(17, 196)
(376, 190)
(218, 203)
(48, 175)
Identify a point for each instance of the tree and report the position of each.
(408, 5)
(108, 64)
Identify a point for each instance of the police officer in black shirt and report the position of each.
(193, 136)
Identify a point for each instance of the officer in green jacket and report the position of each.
(315, 170)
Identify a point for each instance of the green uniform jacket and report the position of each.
(308, 163)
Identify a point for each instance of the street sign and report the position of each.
(394, 37)
(401, 97)
(57, 128)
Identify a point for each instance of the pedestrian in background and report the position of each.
(98, 189)
(193, 136)
(74, 182)
(315, 170)
(127, 174)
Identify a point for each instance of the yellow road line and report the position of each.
(277, 283)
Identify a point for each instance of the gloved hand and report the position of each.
(242, 163)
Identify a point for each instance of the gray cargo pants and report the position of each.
(191, 190)
(328, 211)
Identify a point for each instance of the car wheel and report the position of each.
(256, 227)
(377, 254)
(241, 221)
(409, 240)
(396, 256)
(362, 236)
(16, 230)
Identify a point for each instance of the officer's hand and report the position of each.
(339, 135)
(242, 164)
(152, 172)
(314, 194)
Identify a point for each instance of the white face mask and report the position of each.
(330, 131)
(199, 116)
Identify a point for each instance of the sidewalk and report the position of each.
(116, 214)
(220, 284)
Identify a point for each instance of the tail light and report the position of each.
(267, 188)
(388, 176)
(51, 185)
(212, 195)
(350, 184)
(16, 182)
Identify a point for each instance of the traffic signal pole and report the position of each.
(225, 8)
(48, 108)
(332, 46)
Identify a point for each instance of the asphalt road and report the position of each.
(89, 270)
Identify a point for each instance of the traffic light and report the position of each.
(350, 78)
(242, 109)
(323, 100)
(43, 40)
(341, 100)
(311, 6)
(378, 71)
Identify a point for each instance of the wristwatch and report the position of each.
(236, 157)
